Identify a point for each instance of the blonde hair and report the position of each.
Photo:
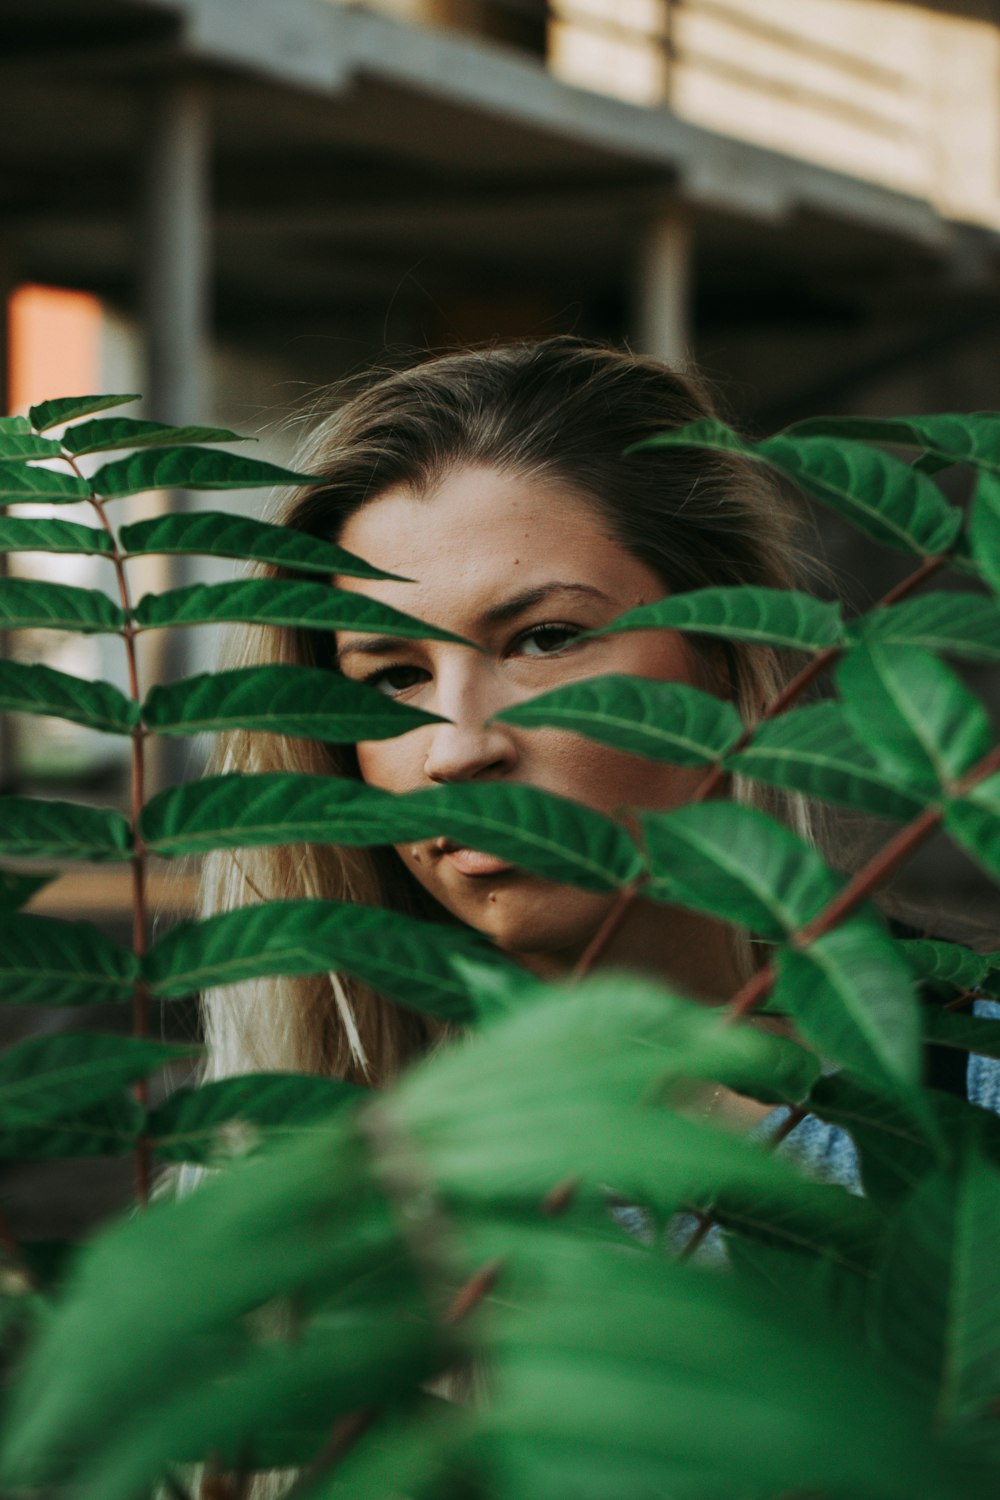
(557, 408)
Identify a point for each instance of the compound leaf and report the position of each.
(47, 1078)
(231, 1117)
(954, 437)
(218, 533)
(966, 626)
(947, 964)
(67, 408)
(36, 534)
(131, 432)
(37, 689)
(281, 699)
(33, 828)
(20, 446)
(895, 1147)
(22, 483)
(984, 529)
(32, 604)
(736, 862)
(663, 721)
(190, 469)
(554, 838)
(280, 601)
(44, 961)
(815, 750)
(974, 822)
(767, 617)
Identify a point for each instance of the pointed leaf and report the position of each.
(22, 483)
(552, 837)
(974, 822)
(965, 1033)
(37, 689)
(814, 750)
(946, 964)
(218, 533)
(31, 828)
(895, 1147)
(410, 960)
(44, 961)
(936, 1303)
(963, 625)
(19, 446)
(191, 469)
(232, 1117)
(67, 408)
(50, 1077)
(34, 534)
(768, 617)
(954, 437)
(31, 604)
(884, 497)
(984, 529)
(279, 601)
(922, 723)
(106, 1129)
(851, 996)
(667, 721)
(131, 432)
(735, 862)
(17, 889)
(303, 701)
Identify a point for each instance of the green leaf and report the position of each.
(890, 501)
(22, 483)
(68, 408)
(965, 1033)
(129, 432)
(17, 889)
(37, 689)
(896, 1146)
(190, 469)
(14, 424)
(936, 1302)
(44, 961)
(552, 837)
(279, 601)
(923, 724)
(308, 702)
(410, 960)
(851, 996)
(974, 822)
(106, 1129)
(952, 624)
(218, 533)
(667, 721)
(47, 1078)
(24, 534)
(31, 604)
(955, 437)
(947, 964)
(984, 529)
(737, 863)
(814, 750)
(767, 617)
(17, 446)
(232, 1117)
(31, 828)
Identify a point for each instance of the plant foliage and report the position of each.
(523, 1203)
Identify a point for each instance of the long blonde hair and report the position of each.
(560, 408)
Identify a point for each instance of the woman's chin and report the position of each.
(543, 926)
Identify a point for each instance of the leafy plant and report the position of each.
(541, 1204)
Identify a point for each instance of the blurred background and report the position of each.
(228, 204)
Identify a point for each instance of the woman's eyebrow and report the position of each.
(497, 614)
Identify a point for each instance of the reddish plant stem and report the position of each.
(715, 776)
(140, 991)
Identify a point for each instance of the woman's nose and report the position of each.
(469, 747)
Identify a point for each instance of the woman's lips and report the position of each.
(471, 861)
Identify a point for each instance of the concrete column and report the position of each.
(663, 286)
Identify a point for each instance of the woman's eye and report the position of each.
(394, 680)
(546, 640)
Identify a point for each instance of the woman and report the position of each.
(498, 480)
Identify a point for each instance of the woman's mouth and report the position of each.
(470, 861)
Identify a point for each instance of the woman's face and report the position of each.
(522, 567)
